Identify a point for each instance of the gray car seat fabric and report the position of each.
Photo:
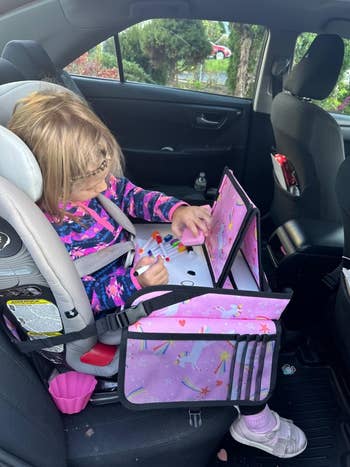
(308, 135)
(35, 64)
(18, 191)
(8, 72)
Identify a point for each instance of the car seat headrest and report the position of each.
(14, 154)
(317, 72)
(31, 59)
(8, 72)
(17, 162)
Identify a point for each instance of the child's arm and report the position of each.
(111, 290)
(144, 204)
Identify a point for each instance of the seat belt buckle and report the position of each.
(124, 318)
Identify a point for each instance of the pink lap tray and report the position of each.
(188, 239)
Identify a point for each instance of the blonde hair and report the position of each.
(67, 139)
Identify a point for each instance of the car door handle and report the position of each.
(203, 122)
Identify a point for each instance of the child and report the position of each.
(77, 155)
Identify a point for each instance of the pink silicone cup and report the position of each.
(71, 391)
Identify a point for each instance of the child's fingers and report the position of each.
(156, 267)
(144, 261)
(201, 224)
(191, 224)
(156, 274)
(162, 277)
(175, 227)
(205, 215)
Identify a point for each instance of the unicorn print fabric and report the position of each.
(228, 214)
(217, 346)
(235, 228)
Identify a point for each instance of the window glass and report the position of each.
(210, 56)
(339, 99)
(100, 62)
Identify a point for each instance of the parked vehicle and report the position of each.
(220, 51)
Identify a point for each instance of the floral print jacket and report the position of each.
(112, 285)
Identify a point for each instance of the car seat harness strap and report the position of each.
(120, 319)
(88, 264)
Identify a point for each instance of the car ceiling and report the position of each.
(67, 28)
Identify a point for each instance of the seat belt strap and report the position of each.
(91, 263)
(117, 214)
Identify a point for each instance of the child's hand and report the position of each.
(193, 217)
(156, 274)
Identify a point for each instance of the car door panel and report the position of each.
(169, 135)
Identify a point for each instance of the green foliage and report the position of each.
(130, 45)
(165, 46)
(133, 72)
(215, 31)
(108, 60)
(258, 34)
(302, 44)
(216, 66)
(109, 47)
(234, 45)
(249, 37)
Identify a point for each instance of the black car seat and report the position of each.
(309, 136)
(341, 318)
(8, 72)
(34, 433)
(35, 64)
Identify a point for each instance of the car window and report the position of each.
(339, 99)
(211, 56)
(98, 62)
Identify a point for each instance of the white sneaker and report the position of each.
(285, 440)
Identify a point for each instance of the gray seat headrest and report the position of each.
(8, 72)
(316, 74)
(31, 59)
(17, 162)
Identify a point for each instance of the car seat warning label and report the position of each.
(40, 318)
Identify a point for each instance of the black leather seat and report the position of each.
(308, 135)
(33, 432)
(35, 64)
(343, 195)
(341, 318)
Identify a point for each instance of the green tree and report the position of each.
(164, 47)
(245, 41)
(173, 45)
(133, 72)
(302, 44)
(108, 46)
(214, 30)
(130, 46)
